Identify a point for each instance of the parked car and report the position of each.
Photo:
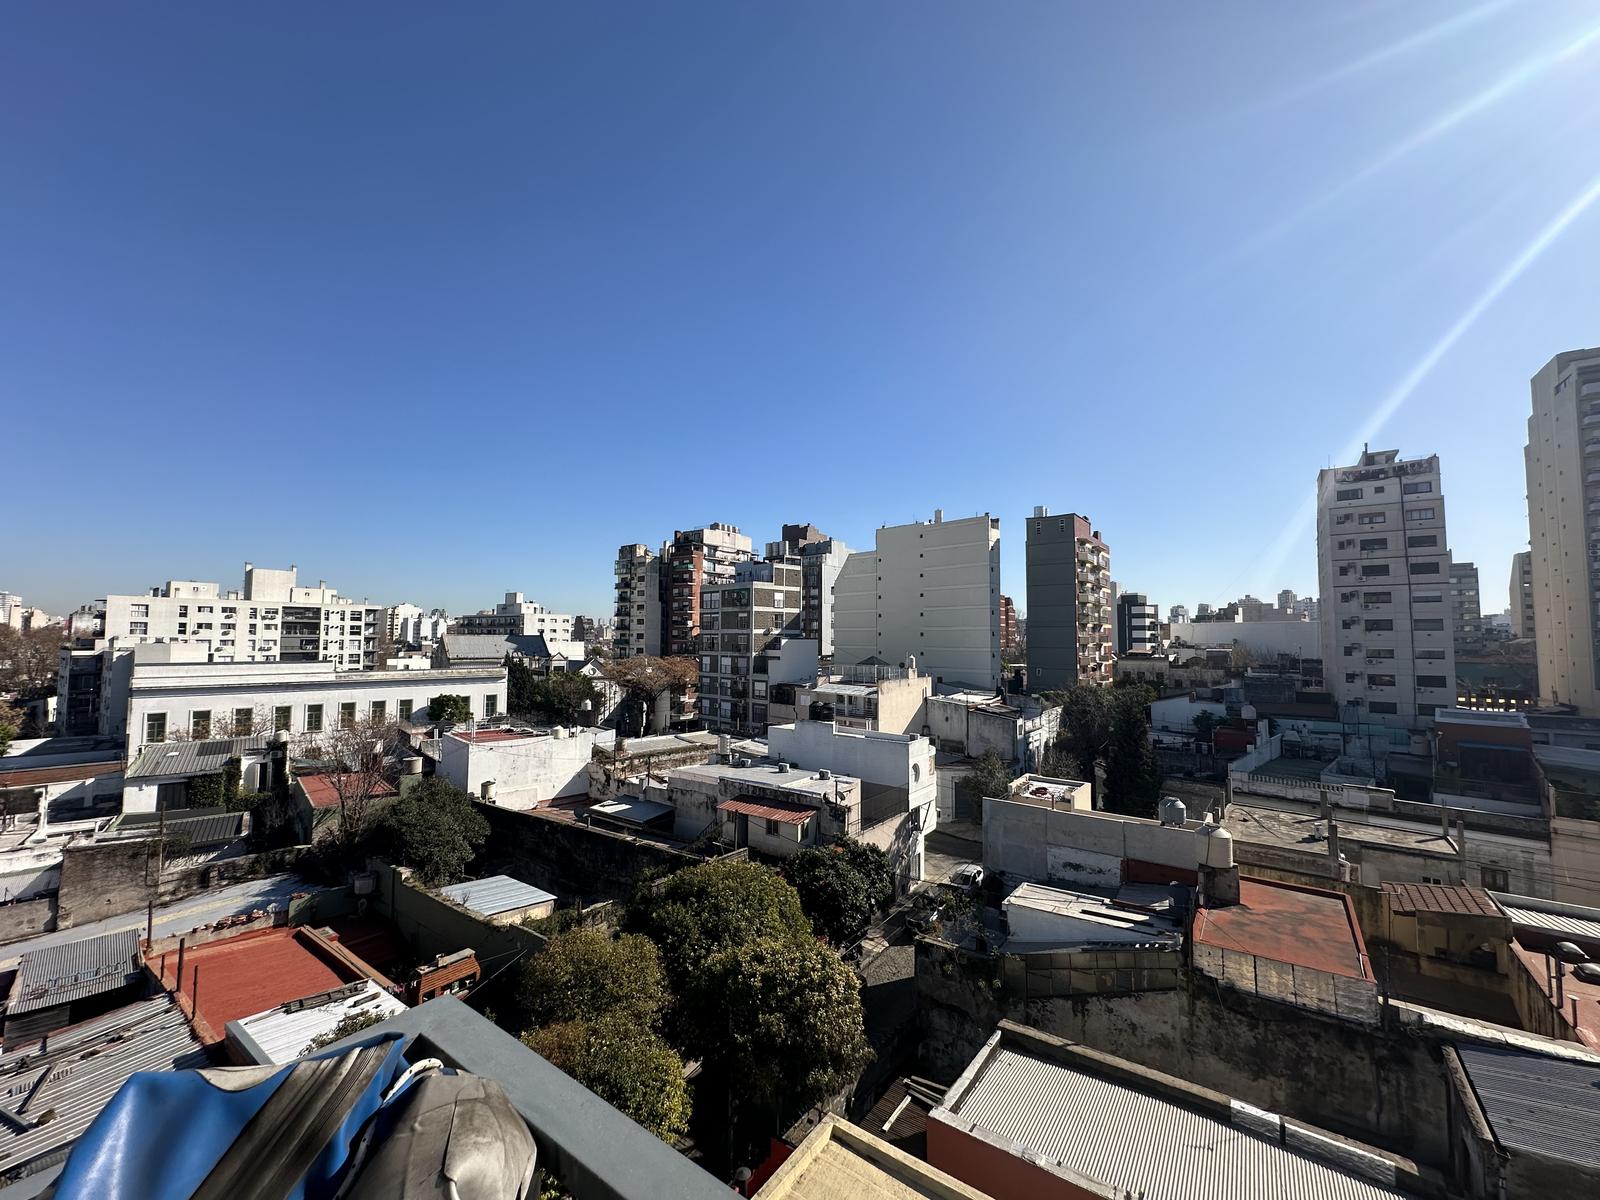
(968, 877)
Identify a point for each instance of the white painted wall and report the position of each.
(526, 771)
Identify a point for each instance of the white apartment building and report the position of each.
(1522, 594)
(928, 592)
(516, 614)
(637, 625)
(821, 559)
(1562, 459)
(1383, 564)
(749, 641)
(409, 625)
(271, 620)
(521, 768)
(157, 699)
(17, 615)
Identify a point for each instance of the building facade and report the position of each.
(821, 559)
(928, 592)
(1010, 633)
(1562, 459)
(517, 615)
(696, 558)
(1522, 594)
(750, 640)
(1138, 624)
(636, 628)
(1177, 613)
(1383, 564)
(1465, 607)
(1070, 625)
(272, 620)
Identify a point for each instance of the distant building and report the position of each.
(410, 626)
(517, 615)
(637, 628)
(1286, 599)
(1069, 602)
(821, 559)
(1009, 635)
(696, 558)
(17, 615)
(1384, 569)
(1179, 612)
(750, 639)
(1203, 610)
(1522, 594)
(887, 699)
(1138, 624)
(1465, 611)
(929, 592)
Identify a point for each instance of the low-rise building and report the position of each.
(768, 806)
(285, 1032)
(1019, 728)
(521, 768)
(840, 1161)
(501, 900)
(883, 698)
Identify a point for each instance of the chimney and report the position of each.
(1333, 848)
(938, 515)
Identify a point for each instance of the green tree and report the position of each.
(447, 708)
(587, 973)
(520, 681)
(1205, 725)
(560, 696)
(435, 829)
(625, 1065)
(789, 1021)
(1133, 776)
(1086, 714)
(11, 720)
(841, 886)
(348, 1024)
(991, 777)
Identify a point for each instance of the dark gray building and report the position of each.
(1069, 603)
(1138, 624)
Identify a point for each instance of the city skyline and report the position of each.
(1008, 240)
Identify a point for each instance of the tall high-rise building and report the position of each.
(1138, 624)
(1383, 566)
(1178, 613)
(1522, 594)
(1562, 458)
(1009, 632)
(1466, 613)
(636, 628)
(821, 559)
(693, 559)
(1286, 600)
(751, 641)
(1070, 624)
(928, 591)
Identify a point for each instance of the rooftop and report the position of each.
(1558, 921)
(787, 812)
(75, 970)
(1565, 766)
(283, 1033)
(766, 774)
(33, 777)
(1304, 829)
(496, 894)
(1288, 924)
(58, 1088)
(1046, 791)
(840, 1161)
(322, 790)
(1470, 716)
(1533, 1103)
(162, 759)
(1097, 1119)
(1440, 898)
(200, 826)
(1118, 918)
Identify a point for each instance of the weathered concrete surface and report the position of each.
(100, 880)
(27, 918)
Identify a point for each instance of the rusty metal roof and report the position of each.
(61, 974)
(1440, 898)
(40, 776)
(773, 810)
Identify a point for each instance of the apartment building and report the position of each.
(696, 558)
(1138, 624)
(1465, 610)
(1010, 634)
(272, 620)
(17, 615)
(1177, 613)
(1070, 624)
(1562, 459)
(636, 628)
(929, 592)
(821, 559)
(1383, 564)
(1522, 594)
(750, 642)
(517, 615)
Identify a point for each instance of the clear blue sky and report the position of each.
(438, 301)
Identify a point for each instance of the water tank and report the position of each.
(824, 773)
(783, 768)
(486, 789)
(1173, 811)
(560, 731)
(1218, 847)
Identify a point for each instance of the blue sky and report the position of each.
(441, 301)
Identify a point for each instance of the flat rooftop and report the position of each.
(1302, 926)
(840, 1161)
(1046, 791)
(1306, 830)
(766, 774)
(1472, 716)
(496, 894)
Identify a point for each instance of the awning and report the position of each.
(773, 810)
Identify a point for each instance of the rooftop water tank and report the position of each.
(1173, 811)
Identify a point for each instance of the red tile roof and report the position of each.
(786, 811)
(40, 776)
(1304, 926)
(1440, 898)
(321, 791)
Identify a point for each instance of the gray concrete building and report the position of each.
(1465, 608)
(1522, 594)
(1562, 459)
(1138, 624)
(1069, 602)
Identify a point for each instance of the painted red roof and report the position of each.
(1304, 926)
(478, 737)
(322, 793)
(1440, 898)
(786, 811)
(40, 776)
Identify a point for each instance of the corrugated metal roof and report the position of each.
(190, 758)
(81, 1070)
(1549, 918)
(471, 647)
(1543, 1105)
(41, 776)
(280, 1035)
(632, 810)
(61, 974)
(1134, 1141)
(496, 894)
(201, 826)
(771, 810)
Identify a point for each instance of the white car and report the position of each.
(968, 877)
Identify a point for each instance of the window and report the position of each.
(1424, 568)
(200, 723)
(1347, 494)
(1430, 681)
(281, 717)
(1373, 519)
(138, 628)
(1375, 543)
(1419, 541)
(1427, 710)
(347, 714)
(1428, 624)
(1494, 879)
(243, 722)
(1384, 707)
(155, 727)
(1416, 489)
(1380, 680)
(406, 709)
(772, 827)
(313, 718)
(378, 710)
(1379, 625)
(1377, 597)
(183, 610)
(1380, 652)
(1419, 514)
(1430, 653)
(491, 705)
(1427, 597)
(1375, 570)
(183, 627)
(138, 610)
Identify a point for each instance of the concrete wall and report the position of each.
(525, 771)
(107, 879)
(433, 925)
(1027, 842)
(1265, 639)
(895, 760)
(25, 918)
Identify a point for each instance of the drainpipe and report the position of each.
(1461, 846)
